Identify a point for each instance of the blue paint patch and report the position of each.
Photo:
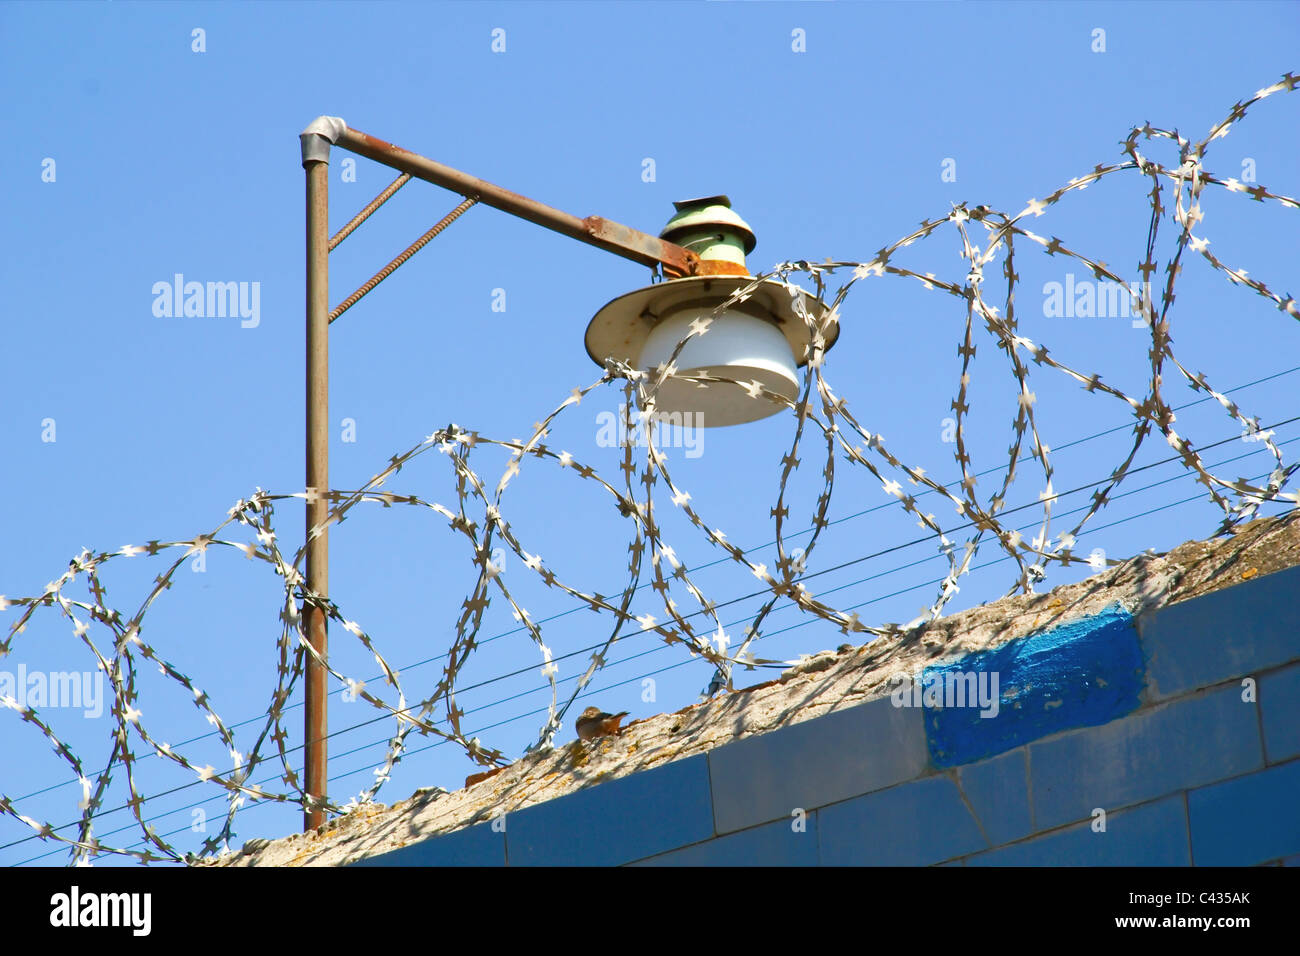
(1081, 674)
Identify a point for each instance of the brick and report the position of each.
(1248, 820)
(773, 844)
(998, 791)
(913, 824)
(1279, 702)
(816, 762)
(659, 809)
(1154, 834)
(1235, 632)
(1182, 744)
(471, 846)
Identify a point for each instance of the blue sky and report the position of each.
(167, 159)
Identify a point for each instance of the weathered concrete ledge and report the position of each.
(828, 682)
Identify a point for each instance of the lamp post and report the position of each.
(759, 340)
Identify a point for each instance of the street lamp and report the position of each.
(762, 339)
(701, 252)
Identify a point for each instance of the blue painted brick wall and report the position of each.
(473, 846)
(1186, 742)
(998, 793)
(1230, 633)
(914, 824)
(616, 822)
(1248, 820)
(1151, 726)
(814, 763)
(773, 844)
(1279, 699)
(1153, 834)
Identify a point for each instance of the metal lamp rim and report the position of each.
(779, 309)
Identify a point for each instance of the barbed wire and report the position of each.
(625, 658)
(658, 649)
(867, 511)
(479, 510)
(637, 678)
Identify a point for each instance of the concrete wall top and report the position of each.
(1046, 631)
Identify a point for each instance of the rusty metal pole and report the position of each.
(320, 135)
(316, 164)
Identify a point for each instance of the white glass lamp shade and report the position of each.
(761, 340)
(736, 346)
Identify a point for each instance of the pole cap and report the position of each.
(704, 214)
